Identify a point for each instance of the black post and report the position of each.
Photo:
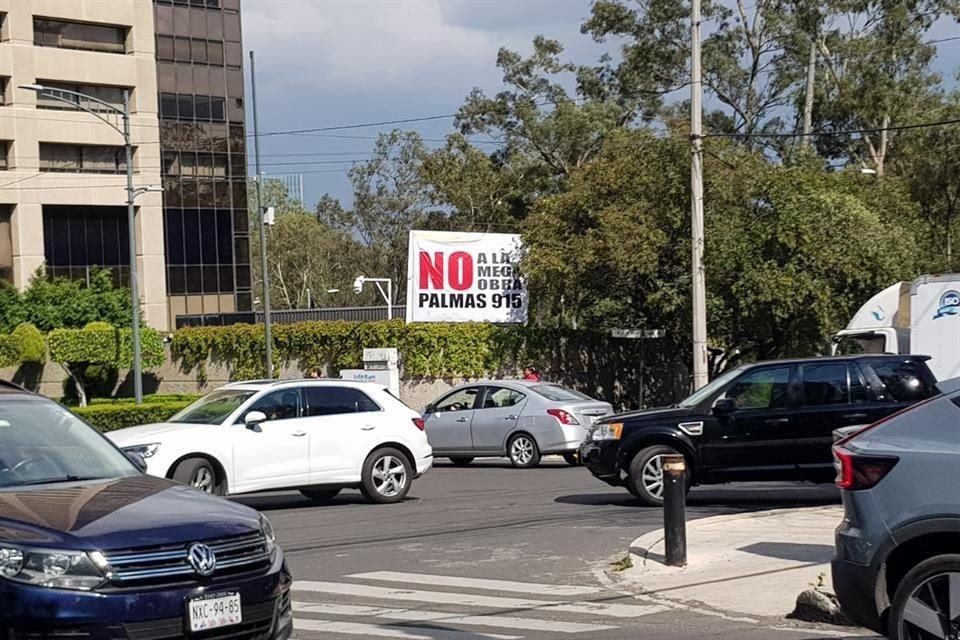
(674, 509)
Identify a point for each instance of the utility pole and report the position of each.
(696, 204)
(267, 332)
(808, 95)
(132, 243)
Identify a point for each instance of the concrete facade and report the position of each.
(25, 188)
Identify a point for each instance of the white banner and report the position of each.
(465, 277)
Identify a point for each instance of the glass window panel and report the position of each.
(113, 248)
(220, 165)
(214, 25)
(241, 249)
(204, 137)
(217, 109)
(237, 138)
(188, 190)
(173, 219)
(224, 237)
(240, 194)
(202, 107)
(103, 159)
(201, 79)
(231, 27)
(182, 49)
(168, 105)
(164, 19)
(185, 107)
(238, 165)
(205, 170)
(184, 78)
(171, 193)
(171, 163)
(221, 194)
(191, 236)
(218, 134)
(215, 52)
(226, 279)
(235, 83)
(79, 35)
(235, 110)
(243, 276)
(211, 279)
(176, 281)
(244, 301)
(59, 157)
(198, 51)
(194, 280)
(205, 196)
(166, 76)
(233, 54)
(188, 163)
(94, 241)
(165, 48)
(181, 21)
(241, 221)
(198, 21)
(60, 242)
(231, 5)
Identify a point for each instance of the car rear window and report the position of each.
(558, 394)
(905, 380)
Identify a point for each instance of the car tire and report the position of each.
(572, 459)
(461, 462)
(387, 475)
(319, 495)
(645, 476)
(523, 451)
(930, 577)
(200, 474)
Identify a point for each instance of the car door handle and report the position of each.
(777, 421)
(463, 419)
(854, 416)
(298, 434)
(367, 428)
(510, 418)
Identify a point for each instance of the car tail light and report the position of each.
(563, 416)
(857, 472)
(418, 423)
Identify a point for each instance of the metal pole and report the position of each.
(268, 334)
(700, 376)
(640, 394)
(132, 241)
(674, 510)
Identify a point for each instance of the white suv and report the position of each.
(318, 436)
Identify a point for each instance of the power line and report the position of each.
(847, 132)
(361, 125)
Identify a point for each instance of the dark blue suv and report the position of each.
(91, 548)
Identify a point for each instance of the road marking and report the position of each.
(408, 633)
(471, 600)
(418, 615)
(478, 583)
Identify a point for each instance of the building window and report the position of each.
(4, 151)
(209, 4)
(3, 27)
(79, 158)
(111, 95)
(78, 240)
(6, 243)
(79, 35)
(199, 251)
(181, 106)
(4, 87)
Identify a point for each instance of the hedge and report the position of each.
(33, 348)
(101, 343)
(110, 417)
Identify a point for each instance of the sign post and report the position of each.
(642, 335)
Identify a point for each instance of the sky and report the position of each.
(338, 62)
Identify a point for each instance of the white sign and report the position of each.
(364, 375)
(635, 334)
(465, 277)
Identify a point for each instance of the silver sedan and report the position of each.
(520, 419)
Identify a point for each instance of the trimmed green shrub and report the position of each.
(33, 348)
(10, 350)
(110, 417)
(150, 399)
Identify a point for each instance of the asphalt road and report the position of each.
(488, 551)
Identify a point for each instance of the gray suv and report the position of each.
(897, 565)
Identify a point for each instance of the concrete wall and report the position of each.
(26, 126)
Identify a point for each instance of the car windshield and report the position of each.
(213, 408)
(708, 389)
(558, 393)
(43, 443)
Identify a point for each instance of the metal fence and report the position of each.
(285, 316)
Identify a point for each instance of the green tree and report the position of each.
(63, 303)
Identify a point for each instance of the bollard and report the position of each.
(675, 509)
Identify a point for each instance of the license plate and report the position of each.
(213, 612)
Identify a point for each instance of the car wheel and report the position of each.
(386, 476)
(925, 603)
(645, 479)
(200, 474)
(523, 451)
(572, 459)
(461, 462)
(319, 495)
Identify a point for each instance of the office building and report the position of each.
(62, 170)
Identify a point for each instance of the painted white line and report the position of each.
(417, 615)
(470, 600)
(408, 633)
(531, 588)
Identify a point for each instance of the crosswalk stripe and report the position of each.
(419, 615)
(478, 583)
(408, 633)
(472, 600)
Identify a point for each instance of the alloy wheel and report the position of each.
(522, 450)
(933, 609)
(389, 476)
(203, 480)
(652, 476)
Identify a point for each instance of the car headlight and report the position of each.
(56, 569)
(269, 537)
(607, 431)
(145, 450)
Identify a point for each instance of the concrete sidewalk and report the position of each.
(754, 564)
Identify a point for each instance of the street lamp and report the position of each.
(75, 99)
(387, 295)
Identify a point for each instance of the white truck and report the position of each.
(920, 317)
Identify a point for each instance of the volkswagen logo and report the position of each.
(202, 559)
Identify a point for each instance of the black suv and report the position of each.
(766, 421)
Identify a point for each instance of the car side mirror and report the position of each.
(724, 407)
(137, 460)
(254, 419)
(430, 408)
